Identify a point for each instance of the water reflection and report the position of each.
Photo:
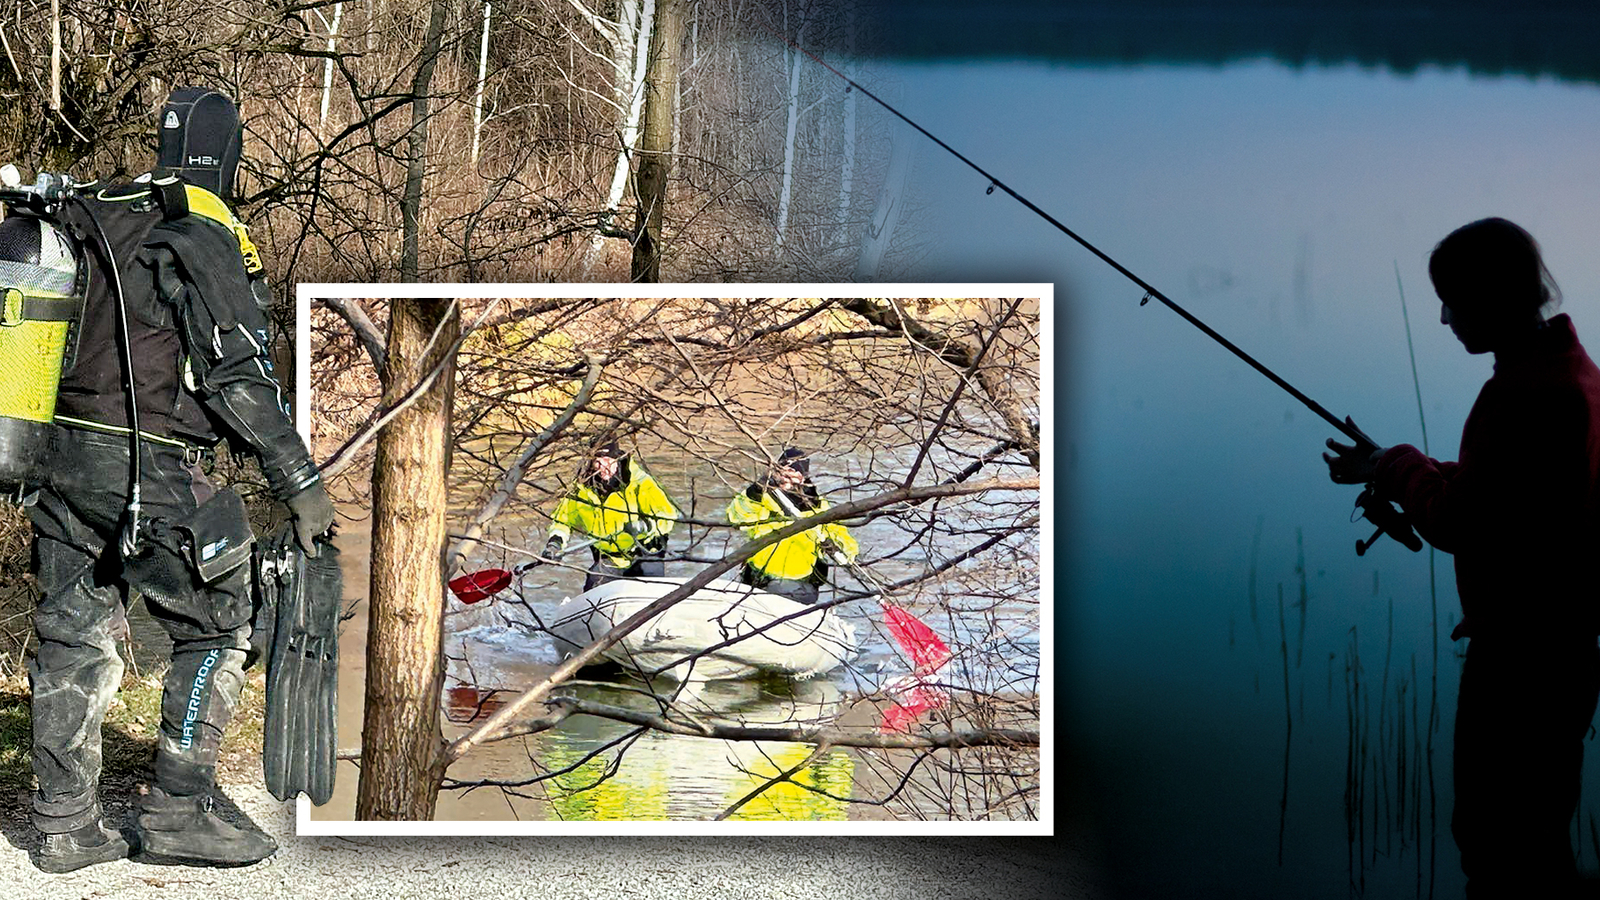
(603, 770)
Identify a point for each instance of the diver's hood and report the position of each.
(198, 138)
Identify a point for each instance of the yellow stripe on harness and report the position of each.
(204, 203)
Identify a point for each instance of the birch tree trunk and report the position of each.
(401, 739)
(631, 98)
(886, 214)
(655, 149)
(483, 72)
(327, 69)
(785, 196)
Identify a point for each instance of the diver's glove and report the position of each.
(635, 528)
(313, 516)
(552, 548)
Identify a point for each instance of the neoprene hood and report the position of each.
(198, 138)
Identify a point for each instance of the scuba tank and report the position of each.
(44, 204)
(199, 138)
(42, 301)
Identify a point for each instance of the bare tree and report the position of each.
(655, 147)
(357, 165)
(417, 139)
(400, 774)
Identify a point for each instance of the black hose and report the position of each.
(130, 538)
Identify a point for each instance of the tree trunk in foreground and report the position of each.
(655, 147)
(417, 146)
(401, 739)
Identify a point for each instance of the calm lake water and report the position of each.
(1278, 205)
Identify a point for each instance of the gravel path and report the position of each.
(547, 868)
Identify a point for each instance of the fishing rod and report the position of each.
(1381, 513)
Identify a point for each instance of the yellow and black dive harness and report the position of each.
(59, 201)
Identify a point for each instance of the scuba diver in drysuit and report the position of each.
(195, 344)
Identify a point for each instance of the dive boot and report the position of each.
(72, 850)
(185, 830)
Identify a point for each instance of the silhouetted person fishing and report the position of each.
(1520, 510)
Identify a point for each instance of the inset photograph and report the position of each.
(657, 564)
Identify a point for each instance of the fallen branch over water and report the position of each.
(834, 737)
(567, 707)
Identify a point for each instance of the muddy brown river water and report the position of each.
(493, 653)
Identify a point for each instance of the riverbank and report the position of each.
(558, 868)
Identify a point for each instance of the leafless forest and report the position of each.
(389, 141)
(476, 141)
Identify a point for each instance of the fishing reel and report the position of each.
(1387, 519)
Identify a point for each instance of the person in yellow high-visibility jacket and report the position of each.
(797, 566)
(617, 503)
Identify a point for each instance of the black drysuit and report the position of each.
(199, 345)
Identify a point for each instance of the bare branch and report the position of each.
(518, 469)
(834, 737)
(367, 333)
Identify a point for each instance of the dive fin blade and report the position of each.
(278, 725)
(300, 735)
(326, 588)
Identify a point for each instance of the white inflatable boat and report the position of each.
(801, 642)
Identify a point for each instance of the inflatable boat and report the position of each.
(723, 630)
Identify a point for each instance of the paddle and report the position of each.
(484, 583)
(928, 653)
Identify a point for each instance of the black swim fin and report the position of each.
(301, 598)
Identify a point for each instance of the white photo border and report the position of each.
(1044, 825)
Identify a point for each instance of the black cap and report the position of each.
(795, 459)
(609, 448)
(198, 138)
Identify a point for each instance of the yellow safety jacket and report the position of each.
(795, 557)
(639, 500)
